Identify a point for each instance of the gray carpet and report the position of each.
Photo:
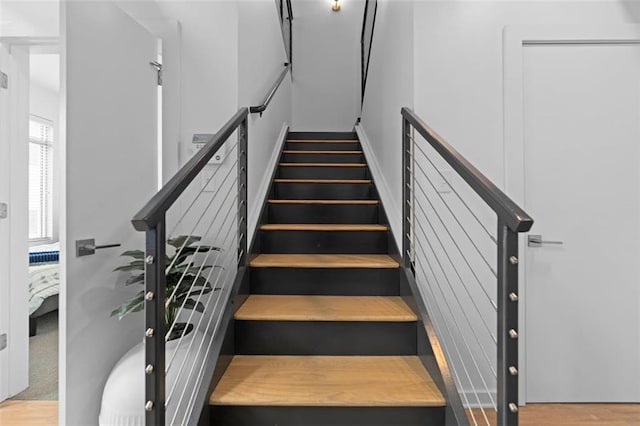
(43, 361)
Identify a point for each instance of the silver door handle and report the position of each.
(537, 241)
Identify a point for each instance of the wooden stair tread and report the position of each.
(328, 181)
(329, 202)
(372, 227)
(259, 307)
(288, 151)
(379, 261)
(322, 165)
(323, 140)
(327, 381)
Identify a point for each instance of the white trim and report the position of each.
(515, 38)
(394, 213)
(265, 184)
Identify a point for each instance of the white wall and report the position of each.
(45, 103)
(458, 90)
(39, 18)
(389, 88)
(458, 65)
(261, 60)
(326, 65)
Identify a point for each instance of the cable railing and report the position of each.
(366, 39)
(196, 247)
(466, 273)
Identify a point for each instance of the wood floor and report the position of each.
(45, 413)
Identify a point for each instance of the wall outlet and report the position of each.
(3, 211)
(3, 341)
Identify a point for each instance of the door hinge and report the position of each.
(158, 67)
(4, 80)
(3, 341)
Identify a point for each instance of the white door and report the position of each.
(111, 171)
(5, 155)
(582, 187)
(14, 156)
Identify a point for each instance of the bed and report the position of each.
(44, 282)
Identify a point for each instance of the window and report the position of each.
(40, 178)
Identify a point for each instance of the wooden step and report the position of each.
(359, 227)
(289, 151)
(260, 307)
(327, 181)
(323, 140)
(380, 261)
(327, 381)
(322, 165)
(328, 202)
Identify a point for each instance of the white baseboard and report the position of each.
(265, 183)
(393, 211)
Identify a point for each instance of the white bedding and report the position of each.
(44, 282)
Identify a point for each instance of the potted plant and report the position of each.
(184, 282)
(123, 395)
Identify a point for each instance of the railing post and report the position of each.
(507, 326)
(406, 193)
(155, 329)
(243, 143)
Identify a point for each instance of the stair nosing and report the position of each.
(326, 181)
(324, 261)
(319, 152)
(324, 202)
(322, 308)
(319, 227)
(348, 165)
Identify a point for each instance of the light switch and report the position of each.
(3, 211)
(444, 181)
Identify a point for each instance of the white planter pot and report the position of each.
(123, 396)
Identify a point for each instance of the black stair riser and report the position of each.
(325, 281)
(326, 416)
(322, 158)
(323, 242)
(322, 146)
(322, 191)
(322, 135)
(325, 338)
(323, 213)
(305, 172)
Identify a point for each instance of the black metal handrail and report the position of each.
(507, 211)
(153, 212)
(511, 221)
(267, 100)
(365, 54)
(287, 17)
(152, 220)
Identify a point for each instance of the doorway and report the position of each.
(572, 139)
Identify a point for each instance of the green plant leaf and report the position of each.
(136, 265)
(191, 304)
(136, 304)
(135, 279)
(136, 254)
(181, 240)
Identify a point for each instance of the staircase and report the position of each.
(324, 337)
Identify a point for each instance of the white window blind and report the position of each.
(40, 178)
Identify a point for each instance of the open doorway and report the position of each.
(43, 224)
